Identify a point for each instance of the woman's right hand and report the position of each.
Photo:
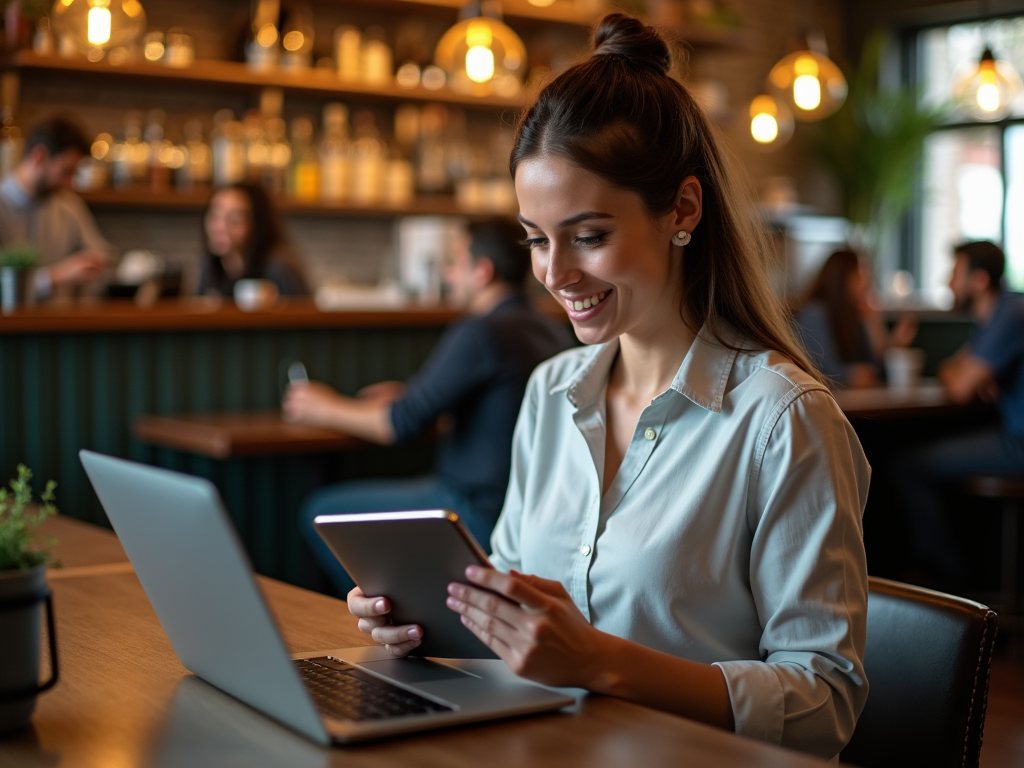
(372, 614)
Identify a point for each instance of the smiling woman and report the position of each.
(682, 526)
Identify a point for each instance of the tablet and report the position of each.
(411, 558)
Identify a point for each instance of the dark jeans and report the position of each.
(927, 476)
(387, 496)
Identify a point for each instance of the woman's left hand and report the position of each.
(531, 624)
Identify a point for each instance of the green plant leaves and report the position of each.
(19, 549)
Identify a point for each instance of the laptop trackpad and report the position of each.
(413, 671)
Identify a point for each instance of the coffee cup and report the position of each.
(254, 295)
(903, 367)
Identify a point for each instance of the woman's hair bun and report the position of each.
(634, 41)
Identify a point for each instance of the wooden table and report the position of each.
(228, 435)
(124, 699)
(926, 399)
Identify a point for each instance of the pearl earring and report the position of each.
(682, 237)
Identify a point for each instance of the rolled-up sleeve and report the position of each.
(808, 577)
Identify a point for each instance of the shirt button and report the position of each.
(650, 434)
(585, 550)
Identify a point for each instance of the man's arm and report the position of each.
(965, 377)
(319, 405)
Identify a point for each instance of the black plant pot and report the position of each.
(22, 596)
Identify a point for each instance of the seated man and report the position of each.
(990, 367)
(38, 208)
(477, 375)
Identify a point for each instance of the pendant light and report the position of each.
(989, 91)
(481, 55)
(98, 25)
(771, 122)
(809, 82)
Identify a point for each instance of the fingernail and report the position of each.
(414, 633)
(452, 602)
(379, 606)
(473, 571)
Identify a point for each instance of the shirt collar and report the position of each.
(701, 378)
(15, 195)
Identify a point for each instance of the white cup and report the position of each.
(903, 367)
(254, 295)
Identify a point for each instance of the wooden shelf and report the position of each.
(194, 200)
(230, 74)
(565, 12)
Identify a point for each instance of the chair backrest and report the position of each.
(927, 662)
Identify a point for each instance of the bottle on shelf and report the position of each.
(279, 158)
(431, 166)
(348, 43)
(12, 145)
(228, 149)
(129, 153)
(305, 171)
(197, 171)
(257, 150)
(376, 66)
(159, 172)
(367, 160)
(335, 157)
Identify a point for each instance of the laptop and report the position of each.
(197, 576)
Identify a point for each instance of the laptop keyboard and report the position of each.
(341, 690)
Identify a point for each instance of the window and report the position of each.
(972, 186)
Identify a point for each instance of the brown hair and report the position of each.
(831, 289)
(620, 116)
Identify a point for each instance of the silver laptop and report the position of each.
(195, 572)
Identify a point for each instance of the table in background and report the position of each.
(125, 700)
(926, 399)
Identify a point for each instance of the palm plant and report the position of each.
(873, 147)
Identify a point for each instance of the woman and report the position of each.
(685, 495)
(841, 327)
(244, 239)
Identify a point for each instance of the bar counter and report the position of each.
(79, 376)
(209, 314)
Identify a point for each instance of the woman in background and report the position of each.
(841, 328)
(243, 239)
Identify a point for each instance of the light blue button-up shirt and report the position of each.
(731, 533)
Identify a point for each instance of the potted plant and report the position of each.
(23, 591)
(16, 262)
(873, 147)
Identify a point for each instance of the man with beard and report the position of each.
(989, 367)
(38, 208)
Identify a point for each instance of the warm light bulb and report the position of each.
(99, 25)
(807, 92)
(541, 3)
(988, 97)
(764, 128)
(479, 64)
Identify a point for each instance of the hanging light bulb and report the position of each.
(810, 83)
(989, 90)
(771, 122)
(482, 56)
(97, 25)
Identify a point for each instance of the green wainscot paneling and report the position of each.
(63, 392)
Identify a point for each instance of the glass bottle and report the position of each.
(159, 172)
(431, 167)
(348, 43)
(305, 171)
(279, 158)
(228, 149)
(198, 168)
(257, 150)
(367, 161)
(12, 146)
(335, 161)
(375, 65)
(125, 150)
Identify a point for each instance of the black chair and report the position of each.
(927, 661)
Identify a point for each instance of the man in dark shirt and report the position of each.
(476, 375)
(990, 367)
